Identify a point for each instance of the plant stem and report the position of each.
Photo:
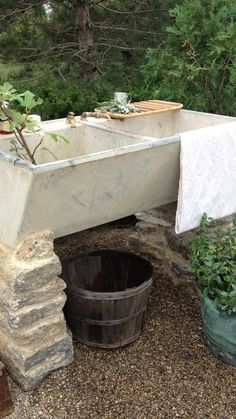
(24, 144)
(19, 136)
(37, 146)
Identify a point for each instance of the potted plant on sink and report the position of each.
(116, 106)
(16, 118)
(213, 261)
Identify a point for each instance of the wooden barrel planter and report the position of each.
(107, 293)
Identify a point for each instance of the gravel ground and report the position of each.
(167, 373)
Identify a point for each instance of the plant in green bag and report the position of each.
(213, 261)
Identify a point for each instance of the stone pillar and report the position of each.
(155, 237)
(34, 339)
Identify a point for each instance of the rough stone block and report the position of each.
(27, 357)
(150, 218)
(152, 232)
(13, 301)
(36, 246)
(30, 379)
(37, 334)
(145, 228)
(24, 277)
(179, 242)
(144, 246)
(32, 314)
(166, 213)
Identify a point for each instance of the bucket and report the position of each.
(121, 97)
(107, 293)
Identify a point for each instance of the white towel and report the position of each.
(207, 175)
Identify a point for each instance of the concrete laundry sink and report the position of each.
(109, 170)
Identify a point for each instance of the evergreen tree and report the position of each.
(197, 64)
(77, 52)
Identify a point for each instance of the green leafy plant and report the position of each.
(117, 106)
(213, 261)
(16, 109)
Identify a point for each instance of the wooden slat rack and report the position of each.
(149, 107)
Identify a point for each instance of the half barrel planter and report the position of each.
(107, 294)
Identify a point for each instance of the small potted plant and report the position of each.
(117, 106)
(120, 104)
(213, 261)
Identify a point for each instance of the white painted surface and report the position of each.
(15, 186)
(168, 124)
(109, 170)
(207, 175)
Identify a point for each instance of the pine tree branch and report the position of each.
(6, 14)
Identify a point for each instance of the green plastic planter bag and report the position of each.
(220, 330)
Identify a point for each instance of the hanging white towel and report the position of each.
(207, 175)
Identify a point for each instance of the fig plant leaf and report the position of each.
(15, 108)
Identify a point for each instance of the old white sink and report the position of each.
(109, 170)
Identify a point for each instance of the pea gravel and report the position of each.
(167, 373)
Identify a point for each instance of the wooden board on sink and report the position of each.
(148, 107)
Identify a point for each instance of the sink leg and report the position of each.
(34, 338)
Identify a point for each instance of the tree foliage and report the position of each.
(75, 53)
(197, 64)
(213, 261)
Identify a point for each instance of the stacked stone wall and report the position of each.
(155, 237)
(34, 336)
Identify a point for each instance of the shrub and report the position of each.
(197, 61)
(213, 261)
